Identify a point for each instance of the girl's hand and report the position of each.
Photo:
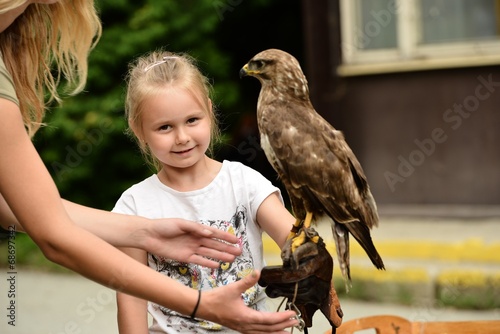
(191, 242)
(225, 306)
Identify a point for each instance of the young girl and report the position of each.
(171, 115)
(42, 41)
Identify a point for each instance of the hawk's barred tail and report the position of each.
(361, 233)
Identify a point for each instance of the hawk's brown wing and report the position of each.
(320, 171)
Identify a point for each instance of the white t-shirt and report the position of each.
(230, 203)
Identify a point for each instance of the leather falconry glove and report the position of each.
(305, 279)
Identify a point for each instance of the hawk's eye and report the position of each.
(258, 64)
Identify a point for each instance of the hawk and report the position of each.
(321, 174)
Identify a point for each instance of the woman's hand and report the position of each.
(225, 306)
(187, 241)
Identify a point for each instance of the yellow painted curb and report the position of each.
(468, 278)
(471, 250)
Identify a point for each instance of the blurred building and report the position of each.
(415, 87)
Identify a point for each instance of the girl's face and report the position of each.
(176, 128)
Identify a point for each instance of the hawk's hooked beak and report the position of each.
(246, 71)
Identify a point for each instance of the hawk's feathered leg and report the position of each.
(341, 237)
(300, 238)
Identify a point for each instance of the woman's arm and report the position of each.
(7, 218)
(177, 239)
(174, 238)
(132, 311)
(274, 218)
(32, 196)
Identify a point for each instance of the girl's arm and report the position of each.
(274, 218)
(32, 196)
(132, 311)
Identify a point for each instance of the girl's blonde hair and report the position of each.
(44, 44)
(150, 74)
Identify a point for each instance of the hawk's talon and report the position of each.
(298, 241)
(295, 229)
(301, 227)
(303, 245)
(305, 235)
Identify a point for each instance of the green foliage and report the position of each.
(84, 145)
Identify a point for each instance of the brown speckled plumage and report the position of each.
(317, 167)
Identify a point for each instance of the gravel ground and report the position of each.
(47, 303)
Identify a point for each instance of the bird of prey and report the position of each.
(320, 172)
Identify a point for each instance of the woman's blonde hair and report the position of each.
(44, 44)
(150, 74)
